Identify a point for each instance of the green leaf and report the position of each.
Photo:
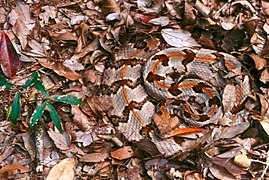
(15, 109)
(68, 99)
(55, 117)
(4, 82)
(31, 81)
(38, 112)
(40, 87)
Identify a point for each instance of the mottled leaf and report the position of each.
(38, 112)
(9, 58)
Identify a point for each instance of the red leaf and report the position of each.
(9, 58)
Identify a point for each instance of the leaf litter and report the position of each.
(70, 43)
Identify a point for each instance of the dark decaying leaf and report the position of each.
(15, 109)
(9, 58)
(55, 117)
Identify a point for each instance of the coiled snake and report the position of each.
(200, 86)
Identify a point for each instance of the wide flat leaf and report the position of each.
(31, 81)
(38, 112)
(9, 58)
(15, 108)
(40, 87)
(55, 117)
(4, 82)
(68, 99)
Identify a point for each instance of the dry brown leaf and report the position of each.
(229, 97)
(265, 76)
(179, 38)
(110, 6)
(265, 7)
(265, 124)
(13, 167)
(20, 19)
(60, 69)
(122, 153)
(259, 62)
(64, 170)
(89, 48)
(165, 122)
(242, 160)
(220, 172)
(61, 140)
(94, 157)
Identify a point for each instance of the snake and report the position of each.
(199, 86)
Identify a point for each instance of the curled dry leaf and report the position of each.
(161, 21)
(265, 7)
(259, 62)
(63, 170)
(94, 157)
(13, 167)
(110, 6)
(179, 38)
(265, 76)
(61, 140)
(60, 69)
(242, 160)
(265, 124)
(122, 153)
(9, 58)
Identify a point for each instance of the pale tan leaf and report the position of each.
(179, 38)
(265, 76)
(259, 62)
(265, 124)
(60, 69)
(94, 157)
(64, 170)
(122, 153)
(242, 160)
(61, 140)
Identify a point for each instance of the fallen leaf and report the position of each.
(110, 6)
(94, 157)
(9, 58)
(60, 69)
(13, 167)
(265, 76)
(265, 124)
(178, 38)
(64, 170)
(160, 21)
(122, 153)
(259, 62)
(242, 160)
(61, 140)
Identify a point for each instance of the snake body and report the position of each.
(200, 86)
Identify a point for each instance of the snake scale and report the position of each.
(192, 83)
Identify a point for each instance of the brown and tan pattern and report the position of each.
(190, 83)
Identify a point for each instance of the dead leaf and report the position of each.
(61, 140)
(160, 21)
(60, 69)
(94, 157)
(122, 153)
(265, 124)
(13, 167)
(242, 160)
(265, 76)
(48, 12)
(178, 38)
(110, 6)
(259, 62)
(64, 170)
(20, 19)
